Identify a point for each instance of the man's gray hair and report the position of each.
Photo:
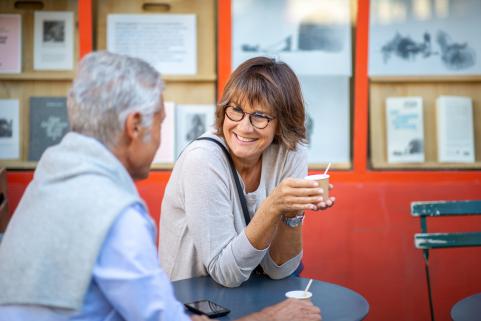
(108, 87)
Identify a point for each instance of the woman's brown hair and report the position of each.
(267, 82)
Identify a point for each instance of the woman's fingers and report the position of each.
(299, 183)
(300, 192)
(295, 208)
(301, 195)
(293, 201)
(326, 204)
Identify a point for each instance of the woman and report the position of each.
(260, 120)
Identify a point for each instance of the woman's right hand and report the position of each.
(294, 195)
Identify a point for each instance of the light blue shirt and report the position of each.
(127, 282)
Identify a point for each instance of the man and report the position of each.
(81, 245)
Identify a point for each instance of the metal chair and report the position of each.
(427, 241)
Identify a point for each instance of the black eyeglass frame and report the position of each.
(268, 118)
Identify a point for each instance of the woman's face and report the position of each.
(246, 142)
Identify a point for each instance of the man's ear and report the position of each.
(133, 125)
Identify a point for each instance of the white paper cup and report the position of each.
(323, 180)
(299, 295)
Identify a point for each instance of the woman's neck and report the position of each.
(250, 172)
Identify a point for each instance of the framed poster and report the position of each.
(9, 129)
(327, 118)
(166, 151)
(167, 41)
(405, 129)
(191, 121)
(407, 39)
(10, 43)
(53, 40)
(455, 129)
(48, 124)
(312, 36)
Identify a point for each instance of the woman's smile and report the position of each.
(243, 139)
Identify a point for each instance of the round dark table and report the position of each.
(468, 309)
(336, 302)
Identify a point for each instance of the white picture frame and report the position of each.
(405, 141)
(9, 129)
(48, 124)
(328, 128)
(455, 129)
(424, 42)
(191, 121)
(166, 152)
(313, 37)
(167, 41)
(11, 44)
(53, 40)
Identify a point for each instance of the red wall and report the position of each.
(366, 243)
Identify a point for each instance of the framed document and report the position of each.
(10, 43)
(455, 129)
(53, 40)
(166, 151)
(167, 41)
(9, 129)
(405, 129)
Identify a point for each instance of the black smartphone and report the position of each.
(208, 308)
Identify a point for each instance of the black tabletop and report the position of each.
(468, 309)
(336, 302)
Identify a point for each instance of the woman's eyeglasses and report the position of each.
(258, 120)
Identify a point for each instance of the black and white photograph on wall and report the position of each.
(6, 127)
(327, 119)
(53, 40)
(191, 121)
(410, 38)
(312, 36)
(196, 126)
(9, 129)
(54, 31)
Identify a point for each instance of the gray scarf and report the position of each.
(52, 242)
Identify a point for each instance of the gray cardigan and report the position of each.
(202, 225)
(52, 242)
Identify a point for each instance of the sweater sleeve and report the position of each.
(209, 206)
(277, 272)
(295, 166)
(296, 163)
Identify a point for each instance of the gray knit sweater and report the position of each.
(202, 224)
(52, 242)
